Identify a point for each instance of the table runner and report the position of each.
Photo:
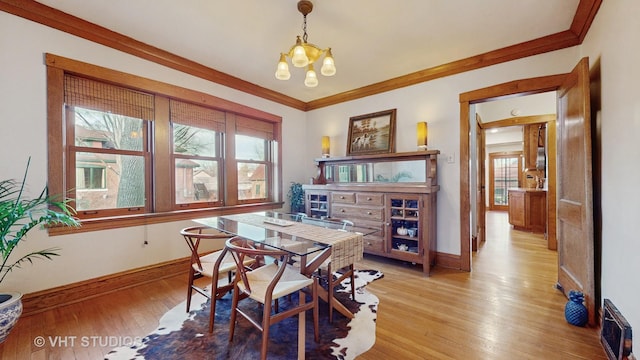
(346, 247)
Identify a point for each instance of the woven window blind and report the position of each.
(105, 97)
(198, 116)
(255, 128)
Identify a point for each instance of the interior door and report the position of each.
(574, 188)
(480, 193)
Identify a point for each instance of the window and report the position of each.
(254, 149)
(504, 170)
(109, 132)
(197, 139)
(130, 151)
(90, 178)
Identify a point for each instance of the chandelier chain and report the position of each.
(304, 28)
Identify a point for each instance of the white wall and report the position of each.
(23, 117)
(612, 42)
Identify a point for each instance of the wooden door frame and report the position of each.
(510, 89)
(481, 224)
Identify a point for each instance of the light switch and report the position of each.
(451, 158)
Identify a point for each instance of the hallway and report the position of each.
(519, 252)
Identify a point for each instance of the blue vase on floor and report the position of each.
(575, 312)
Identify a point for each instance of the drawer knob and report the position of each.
(369, 199)
(369, 212)
(341, 197)
(341, 210)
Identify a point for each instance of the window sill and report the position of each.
(98, 224)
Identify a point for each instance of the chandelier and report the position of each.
(305, 54)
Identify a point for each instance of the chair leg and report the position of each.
(353, 282)
(266, 325)
(190, 287)
(314, 299)
(330, 284)
(212, 314)
(213, 300)
(234, 312)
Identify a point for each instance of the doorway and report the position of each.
(570, 207)
(516, 142)
(468, 101)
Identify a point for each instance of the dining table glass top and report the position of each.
(295, 233)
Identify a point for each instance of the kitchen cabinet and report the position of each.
(528, 209)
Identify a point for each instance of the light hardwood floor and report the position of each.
(506, 308)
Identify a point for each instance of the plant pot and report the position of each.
(10, 311)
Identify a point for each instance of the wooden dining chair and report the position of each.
(214, 265)
(267, 283)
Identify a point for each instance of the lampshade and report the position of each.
(326, 146)
(299, 58)
(311, 80)
(304, 54)
(328, 66)
(282, 73)
(421, 134)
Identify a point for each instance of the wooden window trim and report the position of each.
(163, 211)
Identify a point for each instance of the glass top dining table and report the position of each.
(297, 234)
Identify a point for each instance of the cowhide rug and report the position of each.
(182, 335)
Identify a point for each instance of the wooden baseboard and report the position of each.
(448, 261)
(40, 301)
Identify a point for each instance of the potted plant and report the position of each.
(296, 198)
(17, 217)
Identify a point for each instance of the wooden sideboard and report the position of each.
(404, 212)
(528, 209)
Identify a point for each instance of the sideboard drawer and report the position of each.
(369, 199)
(343, 197)
(373, 244)
(352, 212)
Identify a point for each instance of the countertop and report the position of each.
(528, 189)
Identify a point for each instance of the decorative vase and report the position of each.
(575, 312)
(10, 311)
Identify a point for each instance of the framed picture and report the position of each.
(372, 133)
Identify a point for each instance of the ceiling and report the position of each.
(372, 40)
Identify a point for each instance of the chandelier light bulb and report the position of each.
(328, 65)
(282, 73)
(311, 80)
(299, 58)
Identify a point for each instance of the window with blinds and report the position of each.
(253, 156)
(126, 147)
(109, 128)
(197, 134)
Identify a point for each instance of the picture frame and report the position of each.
(372, 133)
